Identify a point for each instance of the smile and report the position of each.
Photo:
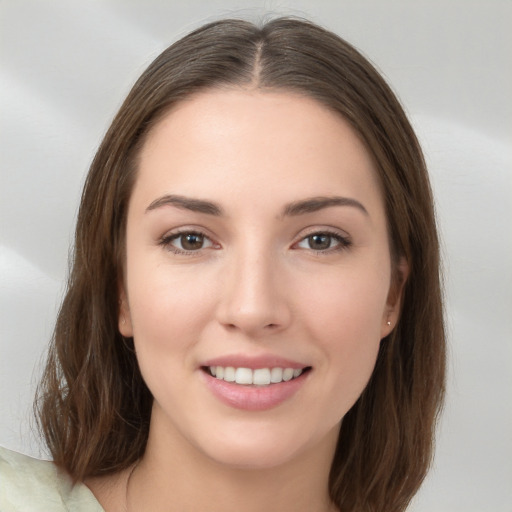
(254, 383)
(255, 377)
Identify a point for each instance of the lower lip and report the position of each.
(254, 398)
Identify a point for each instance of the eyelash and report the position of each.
(343, 242)
(166, 241)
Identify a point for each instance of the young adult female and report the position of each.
(253, 318)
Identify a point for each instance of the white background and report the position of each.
(65, 68)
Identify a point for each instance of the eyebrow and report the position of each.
(293, 209)
(186, 203)
(315, 204)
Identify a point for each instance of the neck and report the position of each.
(175, 476)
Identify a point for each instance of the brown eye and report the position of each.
(319, 241)
(188, 241)
(191, 241)
(324, 242)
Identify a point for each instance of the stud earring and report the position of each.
(388, 322)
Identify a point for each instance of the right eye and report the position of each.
(187, 242)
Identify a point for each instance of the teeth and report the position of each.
(243, 376)
(276, 375)
(258, 377)
(261, 377)
(288, 374)
(229, 374)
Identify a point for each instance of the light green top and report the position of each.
(28, 484)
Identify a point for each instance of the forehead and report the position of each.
(222, 143)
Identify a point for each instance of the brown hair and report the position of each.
(94, 408)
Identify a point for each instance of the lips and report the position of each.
(254, 362)
(254, 384)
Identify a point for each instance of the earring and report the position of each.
(388, 322)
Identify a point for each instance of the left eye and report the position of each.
(189, 241)
(322, 242)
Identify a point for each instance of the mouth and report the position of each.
(257, 377)
(255, 382)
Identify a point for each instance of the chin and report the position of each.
(262, 447)
(249, 456)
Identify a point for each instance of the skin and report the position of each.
(256, 286)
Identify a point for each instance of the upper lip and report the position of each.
(254, 362)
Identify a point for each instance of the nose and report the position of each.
(253, 297)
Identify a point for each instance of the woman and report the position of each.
(253, 317)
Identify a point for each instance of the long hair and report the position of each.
(93, 405)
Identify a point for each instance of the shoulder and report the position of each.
(38, 485)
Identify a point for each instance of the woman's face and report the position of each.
(256, 250)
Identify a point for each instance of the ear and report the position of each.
(124, 318)
(394, 301)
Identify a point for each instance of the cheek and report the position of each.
(167, 315)
(349, 305)
(344, 317)
(167, 306)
